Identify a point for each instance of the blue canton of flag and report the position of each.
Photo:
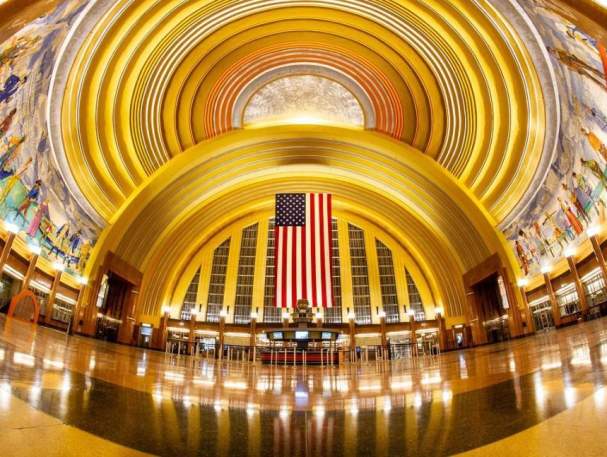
(290, 210)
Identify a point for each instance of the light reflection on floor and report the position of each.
(425, 406)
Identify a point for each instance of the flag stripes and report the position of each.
(303, 249)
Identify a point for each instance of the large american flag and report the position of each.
(303, 249)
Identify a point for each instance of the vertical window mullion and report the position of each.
(270, 312)
(387, 282)
(217, 281)
(246, 271)
(360, 275)
(333, 315)
(415, 299)
(189, 300)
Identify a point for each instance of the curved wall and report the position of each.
(572, 197)
(541, 213)
(33, 194)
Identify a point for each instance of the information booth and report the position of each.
(301, 344)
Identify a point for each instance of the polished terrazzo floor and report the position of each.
(543, 395)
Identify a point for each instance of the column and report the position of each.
(516, 324)
(192, 334)
(285, 318)
(579, 287)
(413, 329)
(90, 309)
(382, 330)
(163, 329)
(318, 319)
(352, 333)
(8, 245)
(253, 336)
(592, 236)
(222, 324)
(51, 296)
(556, 312)
(442, 330)
(74, 327)
(31, 268)
(522, 283)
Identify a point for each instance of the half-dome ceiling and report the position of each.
(303, 99)
(101, 98)
(148, 68)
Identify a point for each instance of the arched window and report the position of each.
(360, 275)
(334, 315)
(246, 292)
(189, 301)
(415, 299)
(270, 312)
(217, 283)
(387, 282)
(246, 274)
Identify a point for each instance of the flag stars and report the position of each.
(290, 210)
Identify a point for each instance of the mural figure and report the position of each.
(522, 256)
(595, 142)
(17, 50)
(11, 86)
(5, 125)
(58, 244)
(41, 212)
(75, 241)
(594, 115)
(579, 66)
(595, 169)
(33, 194)
(10, 151)
(574, 222)
(10, 182)
(580, 200)
(30, 197)
(574, 32)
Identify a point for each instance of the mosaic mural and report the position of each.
(33, 195)
(574, 195)
(299, 98)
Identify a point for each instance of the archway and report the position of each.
(221, 180)
(24, 306)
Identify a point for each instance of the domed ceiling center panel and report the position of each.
(303, 99)
(162, 77)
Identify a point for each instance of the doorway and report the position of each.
(543, 319)
(112, 306)
(492, 308)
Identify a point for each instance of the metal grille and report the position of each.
(189, 301)
(270, 312)
(387, 281)
(334, 315)
(246, 274)
(360, 276)
(42, 298)
(218, 281)
(415, 299)
(62, 311)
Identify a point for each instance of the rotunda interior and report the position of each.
(264, 217)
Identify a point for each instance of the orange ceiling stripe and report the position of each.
(382, 93)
